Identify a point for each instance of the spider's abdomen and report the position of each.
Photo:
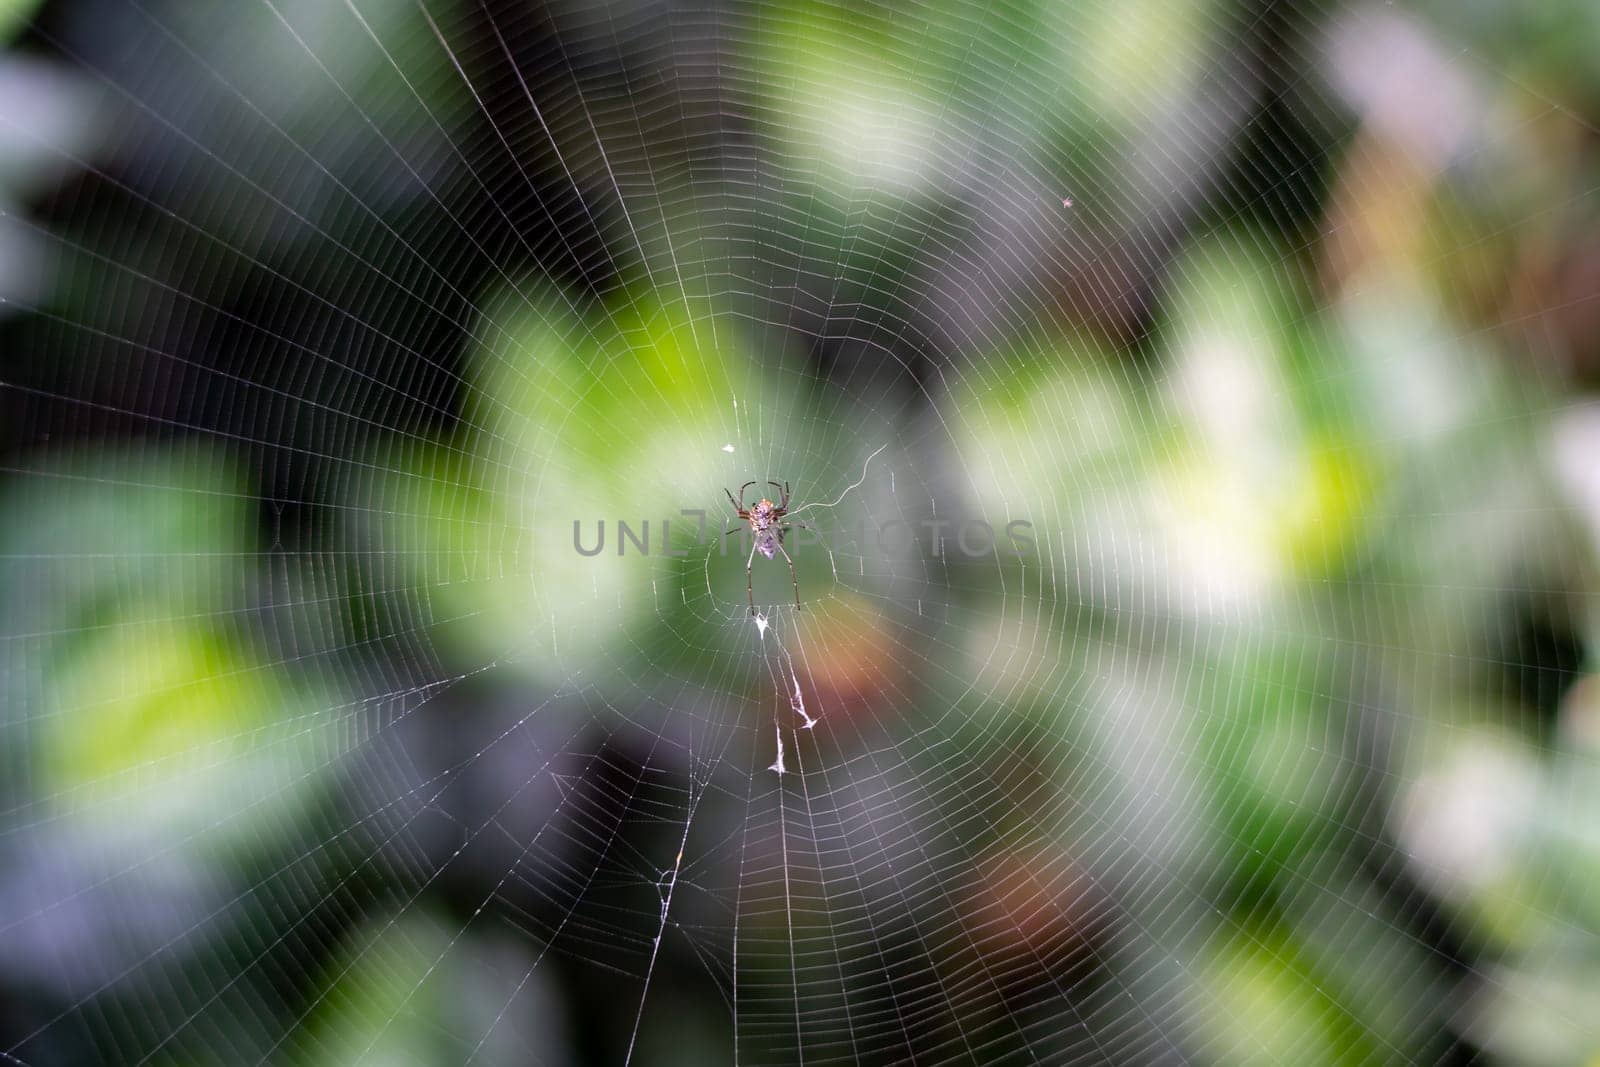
(761, 525)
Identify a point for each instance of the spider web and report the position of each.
(326, 741)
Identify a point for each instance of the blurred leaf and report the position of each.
(165, 731)
(99, 538)
(14, 15)
(1256, 1001)
(1273, 759)
(416, 990)
(637, 396)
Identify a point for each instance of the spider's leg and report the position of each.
(792, 577)
(749, 581)
(742, 488)
(775, 485)
(734, 502)
(785, 504)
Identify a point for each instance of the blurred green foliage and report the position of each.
(1298, 504)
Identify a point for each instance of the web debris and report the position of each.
(777, 765)
(798, 703)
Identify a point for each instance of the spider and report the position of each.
(767, 527)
